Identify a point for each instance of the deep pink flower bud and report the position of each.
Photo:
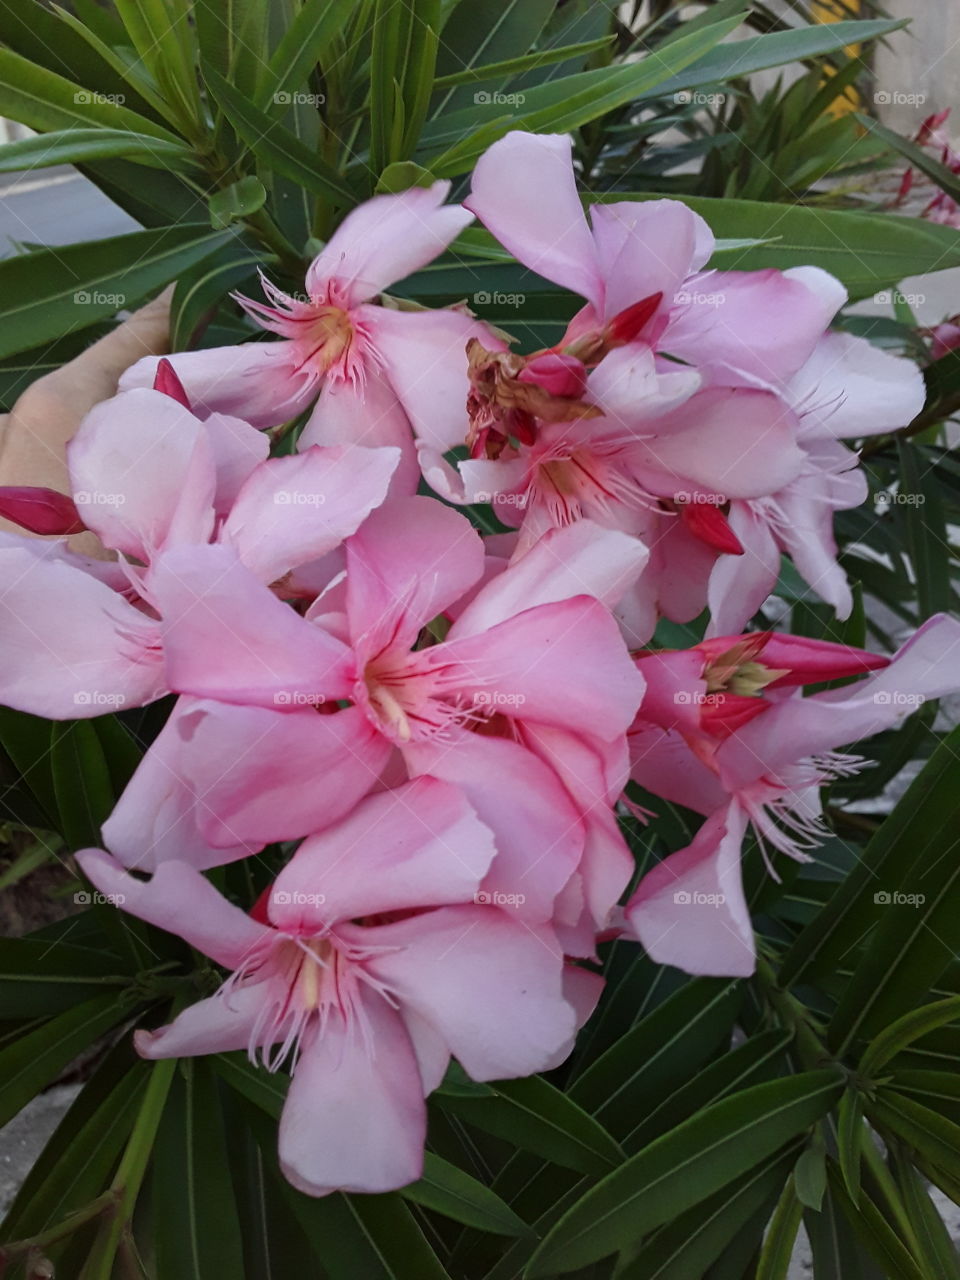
(559, 374)
(40, 510)
(168, 383)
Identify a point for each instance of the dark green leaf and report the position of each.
(448, 1190)
(50, 292)
(193, 1196)
(276, 147)
(684, 1167)
(33, 1062)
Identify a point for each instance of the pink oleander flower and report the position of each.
(373, 960)
(147, 475)
(291, 719)
(642, 261)
(764, 768)
(380, 371)
(848, 389)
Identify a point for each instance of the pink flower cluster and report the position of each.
(445, 723)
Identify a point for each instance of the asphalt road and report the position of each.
(56, 206)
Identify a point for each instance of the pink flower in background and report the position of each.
(931, 134)
(742, 767)
(375, 960)
(147, 475)
(380, 371)
(848, 389)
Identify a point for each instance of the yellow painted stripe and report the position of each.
(834, 11)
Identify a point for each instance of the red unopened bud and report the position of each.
(168, 383)
(260, 911)
(630, 323)
(708, 523)
(559, 374)
(724, 713)
(40, 510)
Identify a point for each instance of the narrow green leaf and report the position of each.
(938, 1253)
(74, 146)
(81, 780)
(929, 1134)
(781, 1237)
(38, 977)
(45, 101)
(193, 1195)
(305, 43)
(50, 292)
(850, 1141)
(534, 1115)
(684, 1167)
(200, 291)
(889, 861)
(741, 58)
(526, 62)
(924, 520)
(448, 1190)
(687, 1246)
(276, 147)
(874, 1232)
(34, 1061)
(896, 1037)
